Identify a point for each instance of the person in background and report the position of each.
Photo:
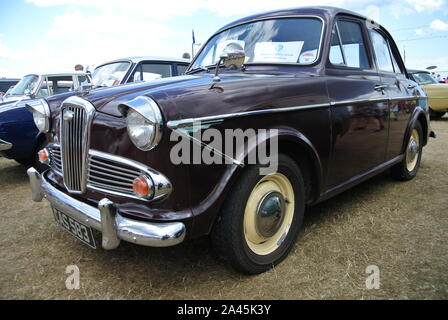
(446, 80)
(79, 67)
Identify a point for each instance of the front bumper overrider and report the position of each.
(106, 218)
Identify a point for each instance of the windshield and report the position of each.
(25, 86)
(110, 75)
(423, 78)
(295, 40)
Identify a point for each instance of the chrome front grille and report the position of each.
(113, 174)
(110, 175)
(73, 127)
(55, 158)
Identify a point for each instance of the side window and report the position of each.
(181, 69)
(152, 71)
(382, 52)
(61, 84)
(348, 46)
(395, 63)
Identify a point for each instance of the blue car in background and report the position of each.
(19, 137)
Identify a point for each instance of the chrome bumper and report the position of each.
(107, 219)
(5, 145)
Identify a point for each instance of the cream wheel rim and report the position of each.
(412, 151)
(269, 213)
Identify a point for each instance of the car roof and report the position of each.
(322, 11)
(138, 59)
(80, 73)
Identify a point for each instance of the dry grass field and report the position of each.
(400, 227)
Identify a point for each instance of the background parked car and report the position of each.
(135, 69)
(437, 92)
(5, 85)
(19, 137)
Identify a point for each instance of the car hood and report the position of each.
(195, 96)
(436, 90)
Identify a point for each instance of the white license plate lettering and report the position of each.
(75, 228)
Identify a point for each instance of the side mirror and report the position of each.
(233, 56)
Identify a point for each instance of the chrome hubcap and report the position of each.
(270, 214)
(412, 151)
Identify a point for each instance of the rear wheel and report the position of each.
(261, 218)
(407, 169)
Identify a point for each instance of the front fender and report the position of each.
(17, 127)
(299, 148)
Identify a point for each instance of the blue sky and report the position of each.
(54, 35)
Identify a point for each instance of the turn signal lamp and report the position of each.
(44, 156)
(143, 187)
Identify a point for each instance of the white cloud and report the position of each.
(420, 32)
(439, 25)
(427, 5)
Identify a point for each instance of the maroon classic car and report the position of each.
(324, 90)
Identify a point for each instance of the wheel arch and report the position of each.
(421, 116)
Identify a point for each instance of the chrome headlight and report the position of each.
(41, 114)
(144, 122)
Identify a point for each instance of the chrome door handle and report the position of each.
(380, 88)
(411, 86)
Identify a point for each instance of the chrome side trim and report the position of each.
(185, 123)
(176, 124)
(185, 134)
(5, 145)
(437, 97)
(107, 219)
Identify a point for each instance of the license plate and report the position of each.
(75, 228)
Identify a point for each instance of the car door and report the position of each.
(359, 106)
(399, 89)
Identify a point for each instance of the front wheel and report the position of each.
(407, 169)
(261, 218)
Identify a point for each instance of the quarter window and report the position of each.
(348, 46)
(382, 52)
(181, 69)
(152, 71)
